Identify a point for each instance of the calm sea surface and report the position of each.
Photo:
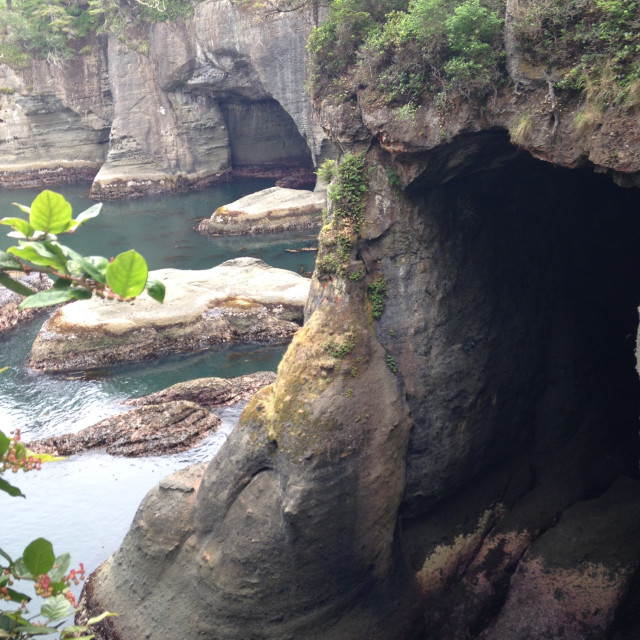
(85, 504)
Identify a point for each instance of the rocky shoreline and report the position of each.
(272, 210)
(10, 315)
(162, 423)
(239, 301)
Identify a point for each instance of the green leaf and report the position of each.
(156, 290)
(35, 630)
(60, 567)
(36, 253)
(127, 274)
(100, 618)
(87, 214)
(14, 285)
(7, 624)
(5, 441)
(94, 266)
(49, 298)
(22, 208)
(10, 489)
(38, 556)
(20, 225)
(55, 608)
(16, 596)
(72, 632)
(7, 261)
(81, 294)
(6, 556)
(20, 569)
(50, 212)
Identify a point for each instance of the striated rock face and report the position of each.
(157, 429)
(54, 122)
(268, 211)
(241, 300)
(165, 107)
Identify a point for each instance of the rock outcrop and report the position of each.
(241, 300)
(209, 392)
(165, 106)
(268, 211)
(460, 405)
(10, 315)
(169, 421)
(169, 427)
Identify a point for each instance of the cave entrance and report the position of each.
(262, 134)
(530, 316)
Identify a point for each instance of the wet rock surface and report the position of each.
(156, 429)
(241, 300)
(169, 421)
(10, 315)
(210, 392)
(267, 211)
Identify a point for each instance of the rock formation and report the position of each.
(169, 421)
(268, 211)
(169, 427)
(241, 300)
(165, 106)
(446, 430)
(10, 315)
(209, 392)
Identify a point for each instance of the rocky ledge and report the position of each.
(241, 300)
(156, 429)
(210, 392)
(168, 421)
(268, 211)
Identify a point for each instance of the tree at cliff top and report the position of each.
(54, 29)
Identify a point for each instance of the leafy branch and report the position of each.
(51, 575)
(76, 277)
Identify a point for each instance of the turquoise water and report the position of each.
(85, 504)
(162, 228)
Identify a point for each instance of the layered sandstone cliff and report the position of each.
(165, 106)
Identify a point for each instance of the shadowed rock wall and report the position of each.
(372, 493)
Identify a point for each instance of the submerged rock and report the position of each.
(268, 211)
(241, 300)
(151, 430)
(210, 392)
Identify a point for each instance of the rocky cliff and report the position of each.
(165, 106)
(450, 448)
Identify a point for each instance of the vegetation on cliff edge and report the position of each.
(404, 52)
(55, 29)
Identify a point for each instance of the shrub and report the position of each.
(592, 45)
(327, 170)
(434, 47)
